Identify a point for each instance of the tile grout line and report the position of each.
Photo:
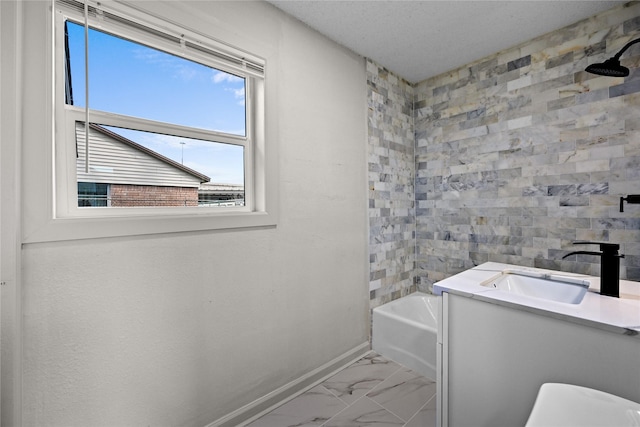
(421, 408)
(388, 410)
(363, 396)
(334, 395)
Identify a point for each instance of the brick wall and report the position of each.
(141, 195)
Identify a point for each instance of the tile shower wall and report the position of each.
(514, 157)
(521, 153)
(391, 186)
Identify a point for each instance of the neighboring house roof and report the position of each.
(122, 139)
(221, 189)
(114, 159)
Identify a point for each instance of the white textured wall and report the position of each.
(181, 329)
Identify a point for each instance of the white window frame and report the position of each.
(68, 222)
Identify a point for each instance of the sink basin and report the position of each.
(554, 287)
(574, 406)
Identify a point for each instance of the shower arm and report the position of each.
(627, 46)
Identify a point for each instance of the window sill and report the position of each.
(61, 229)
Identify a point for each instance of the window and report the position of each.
(154, 116)
(135, 80)
(93, 194)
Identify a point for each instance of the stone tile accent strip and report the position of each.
(391, 185)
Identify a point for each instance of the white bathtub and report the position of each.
(406, 331)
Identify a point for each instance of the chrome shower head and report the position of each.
(611, 67)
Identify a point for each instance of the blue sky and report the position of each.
(132, 79)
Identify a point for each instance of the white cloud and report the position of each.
(238, 94)
(220, 76)
(181, 68)
(186, 72)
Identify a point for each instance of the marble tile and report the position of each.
(426, 416)
(372, 391)
(572, 135)
(357, 380)
(312, 408)
(519, 63)
(365, 413)
(391, 174)
(403, 393)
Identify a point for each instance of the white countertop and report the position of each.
(620, 315)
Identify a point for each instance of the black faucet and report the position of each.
(631, 198)
(609, 266)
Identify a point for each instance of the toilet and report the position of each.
(566, 405)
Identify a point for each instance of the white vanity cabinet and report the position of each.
(495, 353)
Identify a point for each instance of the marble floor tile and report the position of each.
(426, 416)
(403, 393)
(358, 379)
(312, 408)
(365, 413)
(372, 392)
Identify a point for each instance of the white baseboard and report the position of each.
(272, 400)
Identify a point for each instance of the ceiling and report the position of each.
(421, 39)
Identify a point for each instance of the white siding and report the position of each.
(114, 162)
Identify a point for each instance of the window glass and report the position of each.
(151, 169)
(138, 167)
(92, 194)
(132, 79)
